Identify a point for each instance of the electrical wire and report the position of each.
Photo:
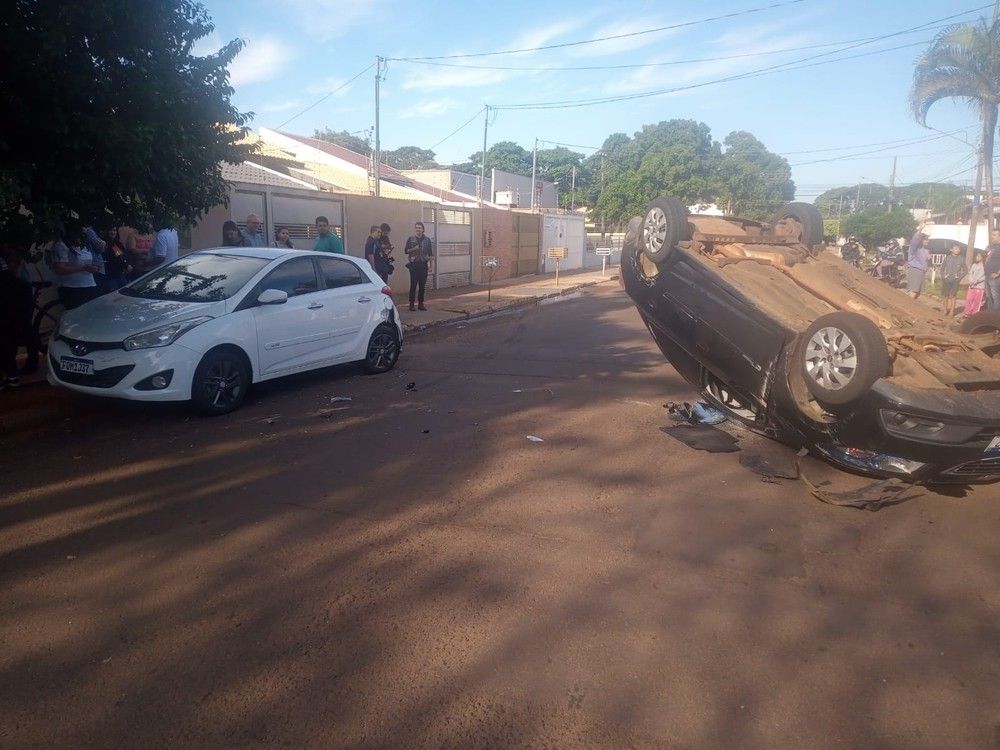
(900, 142)
(563, 45)
(633, 66)
(459, 128)
(783, 67)
(325, 97)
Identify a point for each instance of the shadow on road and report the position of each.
(407, 569)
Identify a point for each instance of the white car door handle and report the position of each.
(315, 305)
(364, 299)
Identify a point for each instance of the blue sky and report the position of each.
(827, 119)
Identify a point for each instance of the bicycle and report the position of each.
(46, 316)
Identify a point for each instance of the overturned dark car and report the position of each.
(796, 344)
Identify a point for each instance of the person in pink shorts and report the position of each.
(977, 287)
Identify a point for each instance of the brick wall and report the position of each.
(498, 234)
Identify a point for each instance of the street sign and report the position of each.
(604, 253)
(557, 254)
(491, 261)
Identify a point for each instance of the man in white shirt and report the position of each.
(166, 247)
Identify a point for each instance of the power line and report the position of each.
(792, 65)
(900, 142)
(632, 66)
(327, 96)
(602, 39)
(865, 153)
(459, 128)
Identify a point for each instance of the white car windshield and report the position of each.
(199, 277)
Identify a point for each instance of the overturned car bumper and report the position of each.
(925, 436)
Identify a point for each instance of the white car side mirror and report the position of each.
(272, 297)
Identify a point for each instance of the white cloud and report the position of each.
(327, 19)
(282, 106)
(670, 76)
(432, 77)
(624, 43)
(207, 45)
(260, 60)
(428, 108)
(334, 84)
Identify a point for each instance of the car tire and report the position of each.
(663, 226)
(808, 217)
(220, 381)
(841, 355)
(986, 321)
(383, 349)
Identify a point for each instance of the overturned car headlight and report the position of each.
(913, 427)
(864, 459)
(164, 336)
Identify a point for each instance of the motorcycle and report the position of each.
(889, 266)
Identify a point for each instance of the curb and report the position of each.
(512, 305)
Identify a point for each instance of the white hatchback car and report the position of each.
(206, 326)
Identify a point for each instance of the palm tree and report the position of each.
(963, 62)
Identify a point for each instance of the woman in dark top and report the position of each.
(386, 263)
(117, 268)
(231, 236)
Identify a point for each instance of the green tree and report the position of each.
(345, 139)
(754, 182)
(106, 110)
(963, 62)
(504, 155)
(874, 226)
(557, 165)
(410, 157)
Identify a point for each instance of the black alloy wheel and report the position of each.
(383, 349)
(221, 382)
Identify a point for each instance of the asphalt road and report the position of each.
(406, 569)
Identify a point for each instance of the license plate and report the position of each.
(994, 446)
(79, 366)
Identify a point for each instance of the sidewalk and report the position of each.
(459, 303)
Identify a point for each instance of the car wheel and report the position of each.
(987, 321)
(383, 349)
(220, 382)
(842, 354)
(807, 217)
(665, 224)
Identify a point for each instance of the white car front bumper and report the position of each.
(116, 373)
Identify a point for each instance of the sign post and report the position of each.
(557, 254)
(491, 263)
(604, 253)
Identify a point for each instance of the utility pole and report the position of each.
(572, 194)
(482, 177)
(534, 172)
(970, 249)
(378, 143)
(603, 238)
(892, 184)
(840, 215)
(857, 203)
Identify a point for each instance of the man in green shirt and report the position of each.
(327, 242)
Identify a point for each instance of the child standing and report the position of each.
(977, 287)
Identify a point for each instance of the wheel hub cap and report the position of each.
(654, 229)
(831, 358)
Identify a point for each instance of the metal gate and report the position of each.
(524, 244)
(451, 231)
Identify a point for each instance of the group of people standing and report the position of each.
(982, 278)
(419, 253)
(89, 261)
(84, 262)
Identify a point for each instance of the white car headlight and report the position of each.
(164, 336)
